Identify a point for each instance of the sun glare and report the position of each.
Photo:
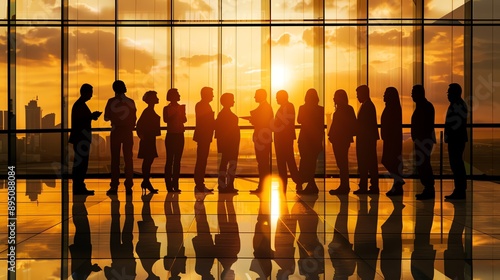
(279, 76)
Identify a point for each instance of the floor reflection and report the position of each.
(265, 236)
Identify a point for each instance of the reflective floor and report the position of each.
(245, 236)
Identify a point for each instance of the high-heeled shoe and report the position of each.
(146, 185)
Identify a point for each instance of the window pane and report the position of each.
(29, 9)
(244, 10)
(143, 10)
(92, 9)
(196, 10)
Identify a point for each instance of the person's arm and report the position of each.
(107, 112)
(165, 114)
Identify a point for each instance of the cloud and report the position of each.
(42, 45)
(182, 9)
(283, 40)
(200, 59)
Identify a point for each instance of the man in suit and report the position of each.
(455, 134)
(366, 142)
(121, 111)
(81, 138)
(424, 138)
(284, 135)
(203, 134)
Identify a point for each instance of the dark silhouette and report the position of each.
(123, 264)
(311, 116)
(203, 134)
(227, 242)
(423, 255)
(392, 254)
(148, 247)
(174, 115)
(454, 255)
(284, 136)
(175, 260)
(227, 133)
(81, 249)
(81, 138)
(203, 242)
(148, 127)
(341, 133)
(365, 237)
(340, 249)
(391, 131)
(121, 111)
(284, 240)
(262, 252)
(424, 137)
(311, 251)
(366, 143)
(455, 134)
(262, 119)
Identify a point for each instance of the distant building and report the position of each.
(33, 121)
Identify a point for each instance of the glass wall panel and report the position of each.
(294, 9)
(3, 9)
(92, 9)
(39, 153)
(29, 9)
(196, 10)
(383, 9)
(444, 9)
(486, 9)
(244, 10)
(3, 99)
(341, 10)
(143, 10)
(486, 150)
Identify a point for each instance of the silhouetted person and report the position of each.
(284, 240)
(203, 243)
(423, 255)
(454, 255)
(175, 259)
(342, 130)
(284, 136)
(227, 133)
(262, 252)
(148, 127)
(148, 247)
(391, 131)
(81, 249)
(203, 134)
(392, 254)
(262, 119)
(227, 242)
(81, 138)
(174, 115)
(366, 143)
(340, 249)
(311, 251)
(121, 111)
(424, 137)
(123, 264)
(365, 237)
(311, 116)
(455, 134)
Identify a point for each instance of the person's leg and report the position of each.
(176, 168)
(373, 166)
(115, 145)
(222, 184)
(281, 164)
(170, 149)
(291, 163)
(128, 143)
(341, 152)
(80, 165)
(361, 155)
(202, 151)
(424, 169)
(455, 155)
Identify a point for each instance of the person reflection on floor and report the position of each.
(391, 255)
(148, 247)
(81, 249)
(365, 237)
(123, 264)
(203, 242)
(262, 252)
(227, 242)
(175, 260)
(284, 241)
(454, 255)
(423, 256)
(311, 251)
(340, 249)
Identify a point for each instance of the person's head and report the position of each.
(119, 87)
(418, 93)
(260, 95)
(281, 97)
(391, 96)
(311, 97)
(207, 94)
(363, 93)
(150, 97)
(454, 92)
(86, 91)
(173, 95)
(227, 100)
(340, 98)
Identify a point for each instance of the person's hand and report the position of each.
(96, 115)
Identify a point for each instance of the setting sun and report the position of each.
(279, 76)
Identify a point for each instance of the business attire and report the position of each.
(227, 133)
(262, 119)
(284, 136)
(203, 134)
(175, 117)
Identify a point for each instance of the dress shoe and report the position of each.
(425, 195)
(146, 185)
(340, 191)
(456, 196)
(203, 188)
(395, 192)
(228, 190)
(360, 191)
(83, 192)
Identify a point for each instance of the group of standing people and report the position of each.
(280, 128)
